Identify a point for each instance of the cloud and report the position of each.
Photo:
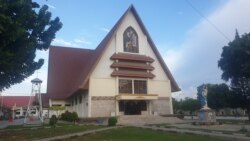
(104, 29)
(51, 6)
(62, 42)
(83, 41)
(195, 61)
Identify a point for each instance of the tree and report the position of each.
(218, 96)
(176, 105)
(190, 104)
(24, 29)
(235, 64)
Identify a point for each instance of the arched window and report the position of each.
(130, 40)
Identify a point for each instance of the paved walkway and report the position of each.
(222, 127)
(77, 134)
(147, 119)
(220, 135)
(5, 123)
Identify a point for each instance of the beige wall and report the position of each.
(161, 106)
(102, 87)
(102, 108)
(158, 71)
(162, 88)
(102, 69)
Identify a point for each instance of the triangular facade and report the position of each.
(124, 75)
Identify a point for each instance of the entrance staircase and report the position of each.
(146, 119)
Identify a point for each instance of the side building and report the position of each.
(124, 75)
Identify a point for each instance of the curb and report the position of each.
(225, 136)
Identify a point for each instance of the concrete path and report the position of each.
(222, 127)
(147, 119)
(219, 135)
(78, 134)
(5, 123)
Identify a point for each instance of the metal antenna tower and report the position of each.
(35, 91)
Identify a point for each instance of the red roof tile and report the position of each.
(65, 66)
(18, 101)
(136, 57)
(130, 73)
(132, 65)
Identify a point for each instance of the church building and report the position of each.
(124, 75)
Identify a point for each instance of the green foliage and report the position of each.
(68, 116)
(218, 96)
(235, 58)
(74, 116)
(112, 121)
(176, 105)
(53, 120)
(235, 64)
(243, 129)
(58, 109)
(188, 104)
(24, 29)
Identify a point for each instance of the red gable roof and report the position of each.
(70, 68)
(65, 66)
(18, 101)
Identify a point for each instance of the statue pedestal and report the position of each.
(207, 116)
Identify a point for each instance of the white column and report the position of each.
(89, 97)
(150, 107)
(171, 105)
(116, 107)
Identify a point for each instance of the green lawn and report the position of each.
(138, 134)
(19, 134)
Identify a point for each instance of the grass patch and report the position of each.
(138, 134)
(31, 133)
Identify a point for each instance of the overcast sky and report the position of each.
(189, 34)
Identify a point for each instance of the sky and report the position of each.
(189, 34)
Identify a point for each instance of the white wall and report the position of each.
(81, 108)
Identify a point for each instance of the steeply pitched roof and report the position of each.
(67, 74)
(103, 45)
(18, 101)
(65, 66)
(45, 100)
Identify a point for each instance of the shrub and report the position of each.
(112, 121)
(68, 116)
(243, 129)
(65, 116)
(74, 117)
(53, 120)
